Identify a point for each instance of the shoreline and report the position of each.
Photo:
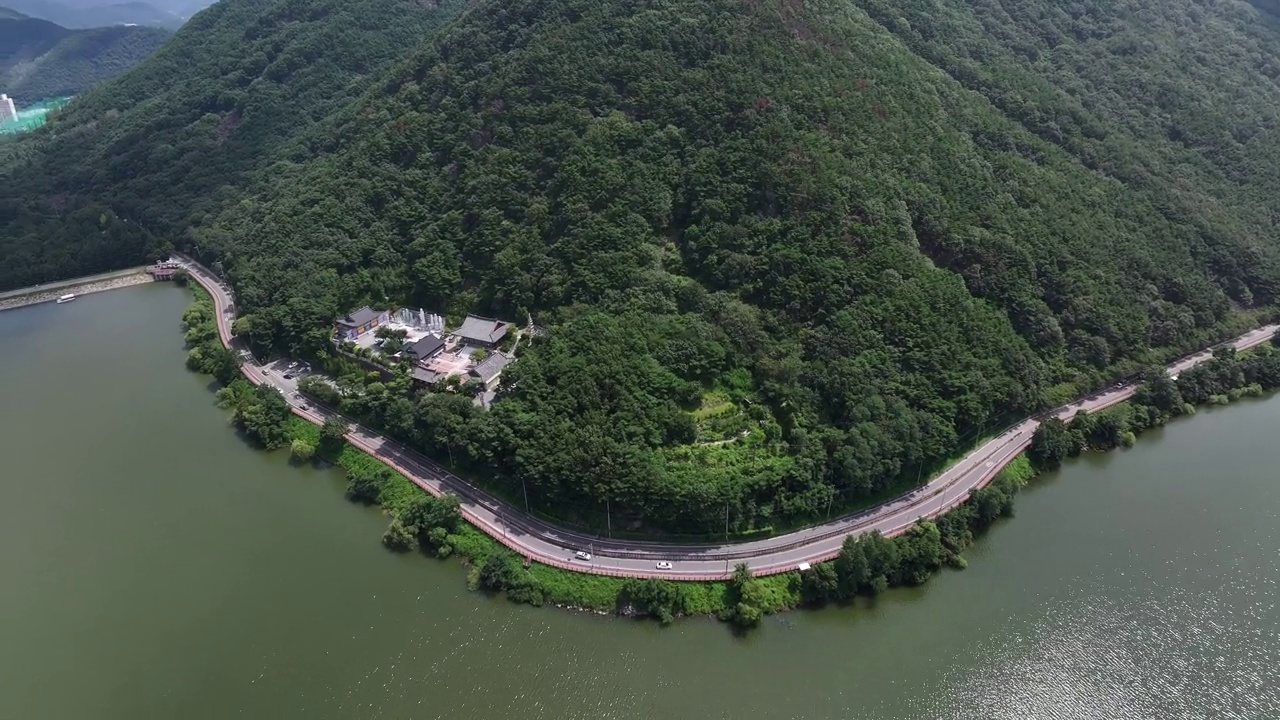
(38, 294)
(544, 543)
(542, 583)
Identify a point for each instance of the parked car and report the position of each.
(664, 565)
(582, 555)
(288, 376)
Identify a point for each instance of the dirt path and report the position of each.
(725, 441)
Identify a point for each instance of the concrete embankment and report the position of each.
(79, 286)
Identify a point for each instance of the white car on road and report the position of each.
(582, 555)
(663, 565)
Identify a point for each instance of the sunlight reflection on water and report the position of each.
(1166, 655)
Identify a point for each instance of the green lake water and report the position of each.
(152, 566)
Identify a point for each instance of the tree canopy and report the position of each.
(787, 256)
(128, 169)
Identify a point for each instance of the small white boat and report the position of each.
(66, 298)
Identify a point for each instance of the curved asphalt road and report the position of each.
(542, 542)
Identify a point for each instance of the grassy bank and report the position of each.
(540, 584)
(554, 586)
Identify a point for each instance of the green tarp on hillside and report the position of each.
(31, 117)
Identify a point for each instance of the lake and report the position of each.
(152, 566)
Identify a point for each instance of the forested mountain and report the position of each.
(39, 59)
(82, 15)
(126, 168)
(788, 255)
(788, 220)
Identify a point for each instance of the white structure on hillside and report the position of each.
(421, 320)
(7, 110)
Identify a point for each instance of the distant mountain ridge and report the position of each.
(76, 14)
(40, 59)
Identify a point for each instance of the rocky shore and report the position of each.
(40, 295)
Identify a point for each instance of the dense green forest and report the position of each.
(120, 175)
(790, 256)
(40, 60)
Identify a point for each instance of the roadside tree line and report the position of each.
(1160, 398)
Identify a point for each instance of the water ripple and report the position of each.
(1168, 655)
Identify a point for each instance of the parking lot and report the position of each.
(285, 374)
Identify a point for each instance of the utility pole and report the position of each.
(726, 529)
(608, 517)
(526, 494)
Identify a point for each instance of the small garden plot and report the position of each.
(719, 419)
